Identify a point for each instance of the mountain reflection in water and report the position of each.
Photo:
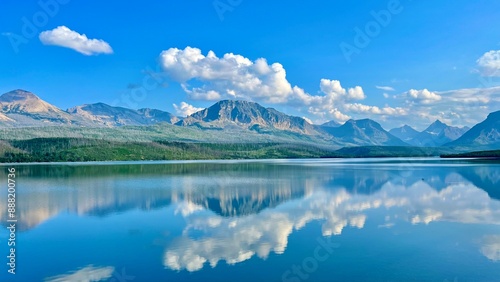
(233, 211)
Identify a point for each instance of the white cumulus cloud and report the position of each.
(232, 76)
(208, 77)
(425, 96)
(185, 109)
(489, 63)
(458, 107)
(65, 37)
(360, 108)
(212, 78)
(334, 91)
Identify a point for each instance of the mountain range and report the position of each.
(436, 134)
(23, 109)
(20, 108)
(101, 114)
(364, 132)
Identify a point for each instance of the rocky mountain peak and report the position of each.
(245, 114)
(18, 95)
(21, 102)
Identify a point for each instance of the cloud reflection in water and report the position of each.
(236, 239)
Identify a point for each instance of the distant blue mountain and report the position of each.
(364, 132)
(484, 135)
(437, 134)
(405, 133)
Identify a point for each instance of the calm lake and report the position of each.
(276, 220)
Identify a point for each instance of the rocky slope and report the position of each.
(364, 132)
(248, 115)
(437, 134)
(484, 135)
(405, 133)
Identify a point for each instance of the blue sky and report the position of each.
(430, 59)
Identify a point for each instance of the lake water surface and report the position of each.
(276, 220)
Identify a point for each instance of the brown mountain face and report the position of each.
(100, 114)
(23, 108)
(247, 115)
(20, 108)
(20, 101)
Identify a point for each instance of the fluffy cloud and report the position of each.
(338, 101)
(185, 109)
(424, 96)
(489, 63)
(65, 37)
(232, 76)
(334, 91)
(86, 274)
(455, 107)
(360, 108)
(236, 77)
(356, 93)
(212, 78)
